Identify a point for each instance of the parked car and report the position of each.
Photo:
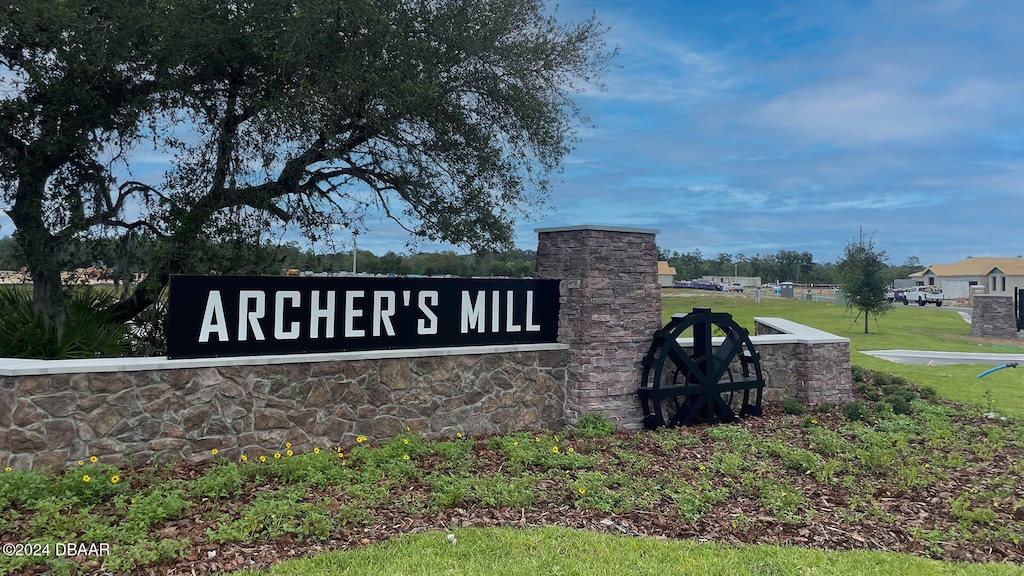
(896, 295)
(923, 295)
(735, 287)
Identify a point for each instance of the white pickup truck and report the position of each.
(923, 295)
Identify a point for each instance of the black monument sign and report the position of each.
(212, 316)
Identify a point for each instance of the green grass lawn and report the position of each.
(537, 551)
(904, 328)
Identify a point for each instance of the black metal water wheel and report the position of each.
(715, 381)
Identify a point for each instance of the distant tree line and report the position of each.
(131, 257)
(239, 258)
(781, 266)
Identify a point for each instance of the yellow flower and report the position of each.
(360, 439)
(407, 429)
(81, 462)
(93, 459)
(537, 438)
(571, 450)
(263, 458)
(287, 444)
(554, 449)
(702, 467)
(316, 450)
(115, 479)
(814, 421)
(458, 434)
(516, 443)
(86, 478)
(245, 458)
(214, 451)
(288, 453)
(341, 454)
(277, 455)
(405, 456)
(582, 490)
(8, 469)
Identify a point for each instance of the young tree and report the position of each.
(862, 273)
(447, 116)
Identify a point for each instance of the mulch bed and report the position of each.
(829, 529)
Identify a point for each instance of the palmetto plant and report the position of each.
(88, 331)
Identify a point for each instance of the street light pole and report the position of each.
(355, 233)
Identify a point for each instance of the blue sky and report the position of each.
(747, 127)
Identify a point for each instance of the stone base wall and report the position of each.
(993, 317)
(54, 420)
(812, 371)
(809, 373)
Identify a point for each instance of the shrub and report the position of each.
(791, 406)
(856, 411)
(882, 379)
(594, 424)
(857, 373)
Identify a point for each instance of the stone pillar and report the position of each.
(610, 308)
(993, 317)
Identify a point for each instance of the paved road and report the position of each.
(921, 357)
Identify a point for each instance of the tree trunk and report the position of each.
(42, 252)
(866, 314)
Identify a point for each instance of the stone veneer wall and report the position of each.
(54, 419)
(993, 317)
(610, 308)
(812, 372)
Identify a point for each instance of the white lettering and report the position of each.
(383, 315)
(472, 312)
(427, 325)
(316, 314)
(213, 319)
(294, 297)
(351, 313)
(251, 318)
(495, 312)
(509, 325)
(530, 326)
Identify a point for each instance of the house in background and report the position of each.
(996, 275)
(666, 274)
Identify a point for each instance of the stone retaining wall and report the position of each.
(52, 420)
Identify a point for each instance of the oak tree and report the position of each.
(447, 116)
(863, 276)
